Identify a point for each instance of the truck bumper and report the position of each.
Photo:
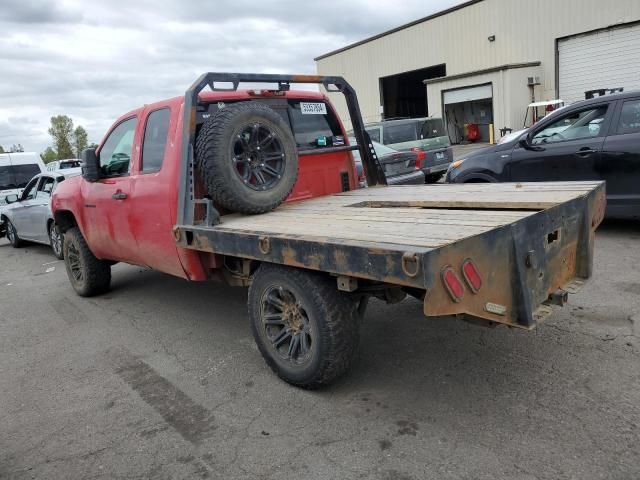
(525, 267)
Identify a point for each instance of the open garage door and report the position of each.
(469, 113)
(602, 59)
(404, 95)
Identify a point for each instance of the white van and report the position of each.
(16, 169)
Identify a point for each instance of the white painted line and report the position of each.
(51, 263)
(50, 269)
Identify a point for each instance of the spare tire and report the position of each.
(247, 158)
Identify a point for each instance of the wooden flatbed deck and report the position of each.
(529, 240)
(424, 217)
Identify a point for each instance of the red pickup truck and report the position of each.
(194, 187)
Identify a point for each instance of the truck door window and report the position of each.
(629, 118)
(115, 154)
(312, 130)
(155, 140)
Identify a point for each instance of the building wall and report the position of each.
(525, 31)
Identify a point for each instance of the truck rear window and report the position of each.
(312, 130)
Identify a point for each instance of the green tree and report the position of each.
(79, 140)
(49, 155)
(61, 131)
(1, 149)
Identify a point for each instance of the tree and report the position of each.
(62, 132)
(1, 149)
(79, 140)
(49, 155)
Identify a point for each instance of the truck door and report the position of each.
(620, 162)
(566, 148)
(107, 204)
(154, 193)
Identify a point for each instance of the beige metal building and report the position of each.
(484, 60)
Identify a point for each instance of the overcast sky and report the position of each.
(95, 60)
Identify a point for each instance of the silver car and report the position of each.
(28, 216)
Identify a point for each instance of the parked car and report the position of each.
(421, 134)
(400, 168)
(28, 216)
(595, 139)
(63, 164)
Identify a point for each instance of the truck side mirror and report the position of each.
(90, 165)
(11, 198)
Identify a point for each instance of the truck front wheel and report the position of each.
(88, 275)
(306, 330)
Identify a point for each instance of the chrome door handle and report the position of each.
(119, 195)
(586, 151)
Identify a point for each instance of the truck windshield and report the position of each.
(17, 176)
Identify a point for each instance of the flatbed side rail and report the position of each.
(186, 200)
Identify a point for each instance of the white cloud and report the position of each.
(94, 61)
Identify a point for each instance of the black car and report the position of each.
(595, 139)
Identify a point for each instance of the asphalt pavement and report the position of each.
(160, 379)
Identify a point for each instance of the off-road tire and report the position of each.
(216, 149)
(95, 274)
(56, 240)
(12, 234)
(332, 317)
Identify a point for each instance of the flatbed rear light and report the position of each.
(471, 275)
(452, 284)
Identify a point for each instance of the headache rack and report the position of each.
(187, 201)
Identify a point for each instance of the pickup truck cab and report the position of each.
(257, 188)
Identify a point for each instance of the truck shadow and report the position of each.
(402, 353)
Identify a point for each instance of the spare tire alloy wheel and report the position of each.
(259, 158)
(56, 240)
(247, 158)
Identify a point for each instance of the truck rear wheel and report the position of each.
(306, 330)
(88, 275)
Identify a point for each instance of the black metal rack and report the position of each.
(187, 201)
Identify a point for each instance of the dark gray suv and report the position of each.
(425, 134)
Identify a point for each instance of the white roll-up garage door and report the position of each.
(603, 59)
(468, 94)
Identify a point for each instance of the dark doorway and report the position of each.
(404, 95)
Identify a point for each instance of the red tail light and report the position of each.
(452, 283)
(471, 275)
(420, 156)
